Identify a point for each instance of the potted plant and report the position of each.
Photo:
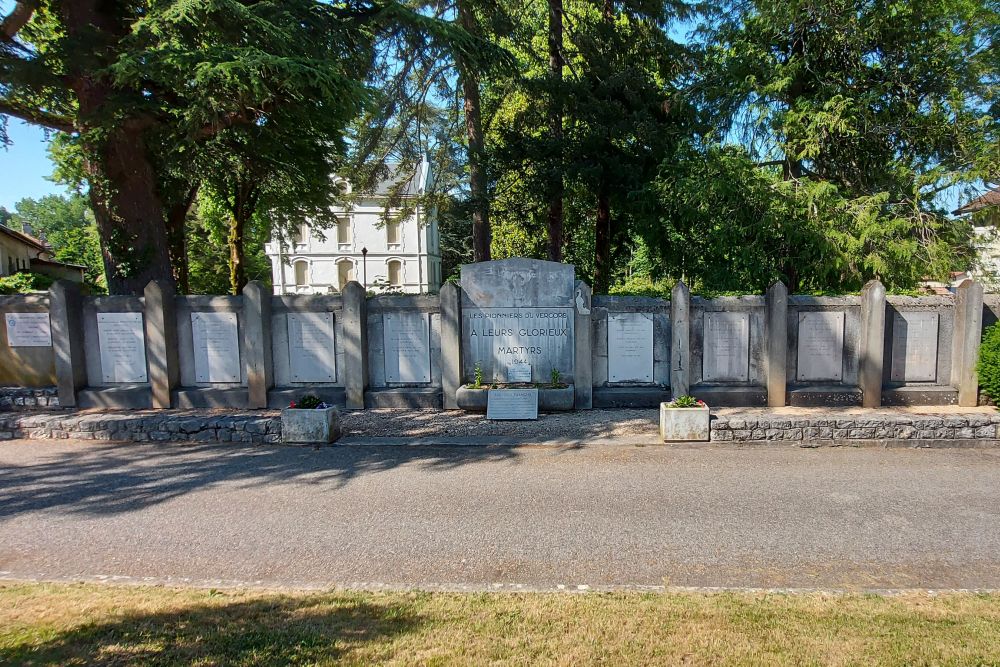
(554, 396)
(310, 420)
(684, 419)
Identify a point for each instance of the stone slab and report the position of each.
(406, 345)
(28, 330)
(920, 395)
(726, 347)
(415, 398)
(512, 404)
(723, 396)
(216, 347)
(630, 397)
(311, 347)
(824, 396)
(820, 346)
(211, 397)
(630, 347)
(121, 397)
(123, 349)
(518, 282)
(914, 346)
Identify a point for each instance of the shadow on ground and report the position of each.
(124, 477)
(276, 631)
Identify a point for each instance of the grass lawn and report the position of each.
(56, 624)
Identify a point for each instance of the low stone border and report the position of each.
(149, 426)
(28, 398)
(862, 427)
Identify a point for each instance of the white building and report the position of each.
(403, 255)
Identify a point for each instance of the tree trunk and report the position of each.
(243, 204)
(481, 232)
(177, 238)
(556, 187)
(129, 213)
(602, 240)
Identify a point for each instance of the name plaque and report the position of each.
(28, 330)
(914, 347)
(511, 404)
(216, 347)
(311, 353)
(630, 347)
(519, 373)
(123, 347)
(406, 342)
(727, 347)
(821, 346)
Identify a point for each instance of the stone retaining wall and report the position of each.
(824, 429)
(144, 426)
(28, 398)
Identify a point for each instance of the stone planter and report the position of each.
(684, 424)
(560, 399)
(310, 426)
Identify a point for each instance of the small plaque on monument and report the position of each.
(510, 404)
(914, 347)
(821, 346)
(216, 347)
(630, 347)
(518, 372)
(406, 341)
(311, 354)
(28, 330)
(727, 347)
(123, 349)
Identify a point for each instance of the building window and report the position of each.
(392, 233)
(301, 273)
(299, 235)
(345, 272)
(344, 231)
(395, 272)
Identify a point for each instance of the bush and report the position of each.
(21, 283)
(989, 363)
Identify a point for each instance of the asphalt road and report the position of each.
(473, 517)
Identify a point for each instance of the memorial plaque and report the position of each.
(726, 347)
(406, 340)
(519, 373)
(630, 347)
(216, 347)
(821, 346)
(28, 330)
(123, 347)
(518, 311)
(914, 347)
(311, 353)
(509, 404)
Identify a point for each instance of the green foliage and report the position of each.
(478, 376)
(554, 377)
(685, 402)
(988, 365)
(207, 229)
(24, 282)
(307, 402)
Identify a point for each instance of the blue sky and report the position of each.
(25, 166)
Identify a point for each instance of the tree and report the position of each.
(140, 87)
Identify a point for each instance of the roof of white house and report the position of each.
(406, 183)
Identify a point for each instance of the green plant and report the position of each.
(23, 282)
(685, 402)
(478, 374)
(307, 402)
(988, 366)
(554, 375)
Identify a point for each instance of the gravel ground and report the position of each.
(423, 423)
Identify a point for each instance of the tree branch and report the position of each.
(36, 117)
(13, 22)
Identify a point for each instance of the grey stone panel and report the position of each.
(68, 341)
(584, 361)
(682, 357)
(776, 346)
(256, 342)
(416, 398)
(211, 397)
(161, 341)
(920, 395)
(185, 339)
(355, 345)
(873, 343)
(451, 341)
(823, 395)
(26, 366)
(117, 397)
(630, 397)
(92, 346)
(730, 395)
(517, 282)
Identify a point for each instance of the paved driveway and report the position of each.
(477, 517)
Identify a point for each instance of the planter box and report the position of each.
(684, 424)
(310, 426)
(549, 400)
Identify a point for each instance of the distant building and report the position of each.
(985, 212)
(403, 255)
(23, 252)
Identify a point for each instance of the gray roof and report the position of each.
(416, 181)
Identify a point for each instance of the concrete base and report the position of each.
(823, 396)
(310, 426)
(280, 397)
(717, 396)
(630, 397)
(121, 397)
(417, 398)
(209, 397)
(684, 424)
(919, 395)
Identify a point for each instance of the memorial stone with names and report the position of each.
(511, 404)
(406, 342)
(216, 347)
(28, 330)
(123, 347)
(311, 352)
(519, 373)
(914, 347)
(726, 347)
(820, 346)
(630, 347)
(518, 311)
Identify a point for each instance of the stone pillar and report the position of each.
(776, 350)
(161, 341)
(967, 336)
(257, 343)
(356, 344)
(872, 343)
(66, 321)
(583, 374)
(451, 344)
(680, 340)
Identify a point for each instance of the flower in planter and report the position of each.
(686, 402)
(308, 402)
